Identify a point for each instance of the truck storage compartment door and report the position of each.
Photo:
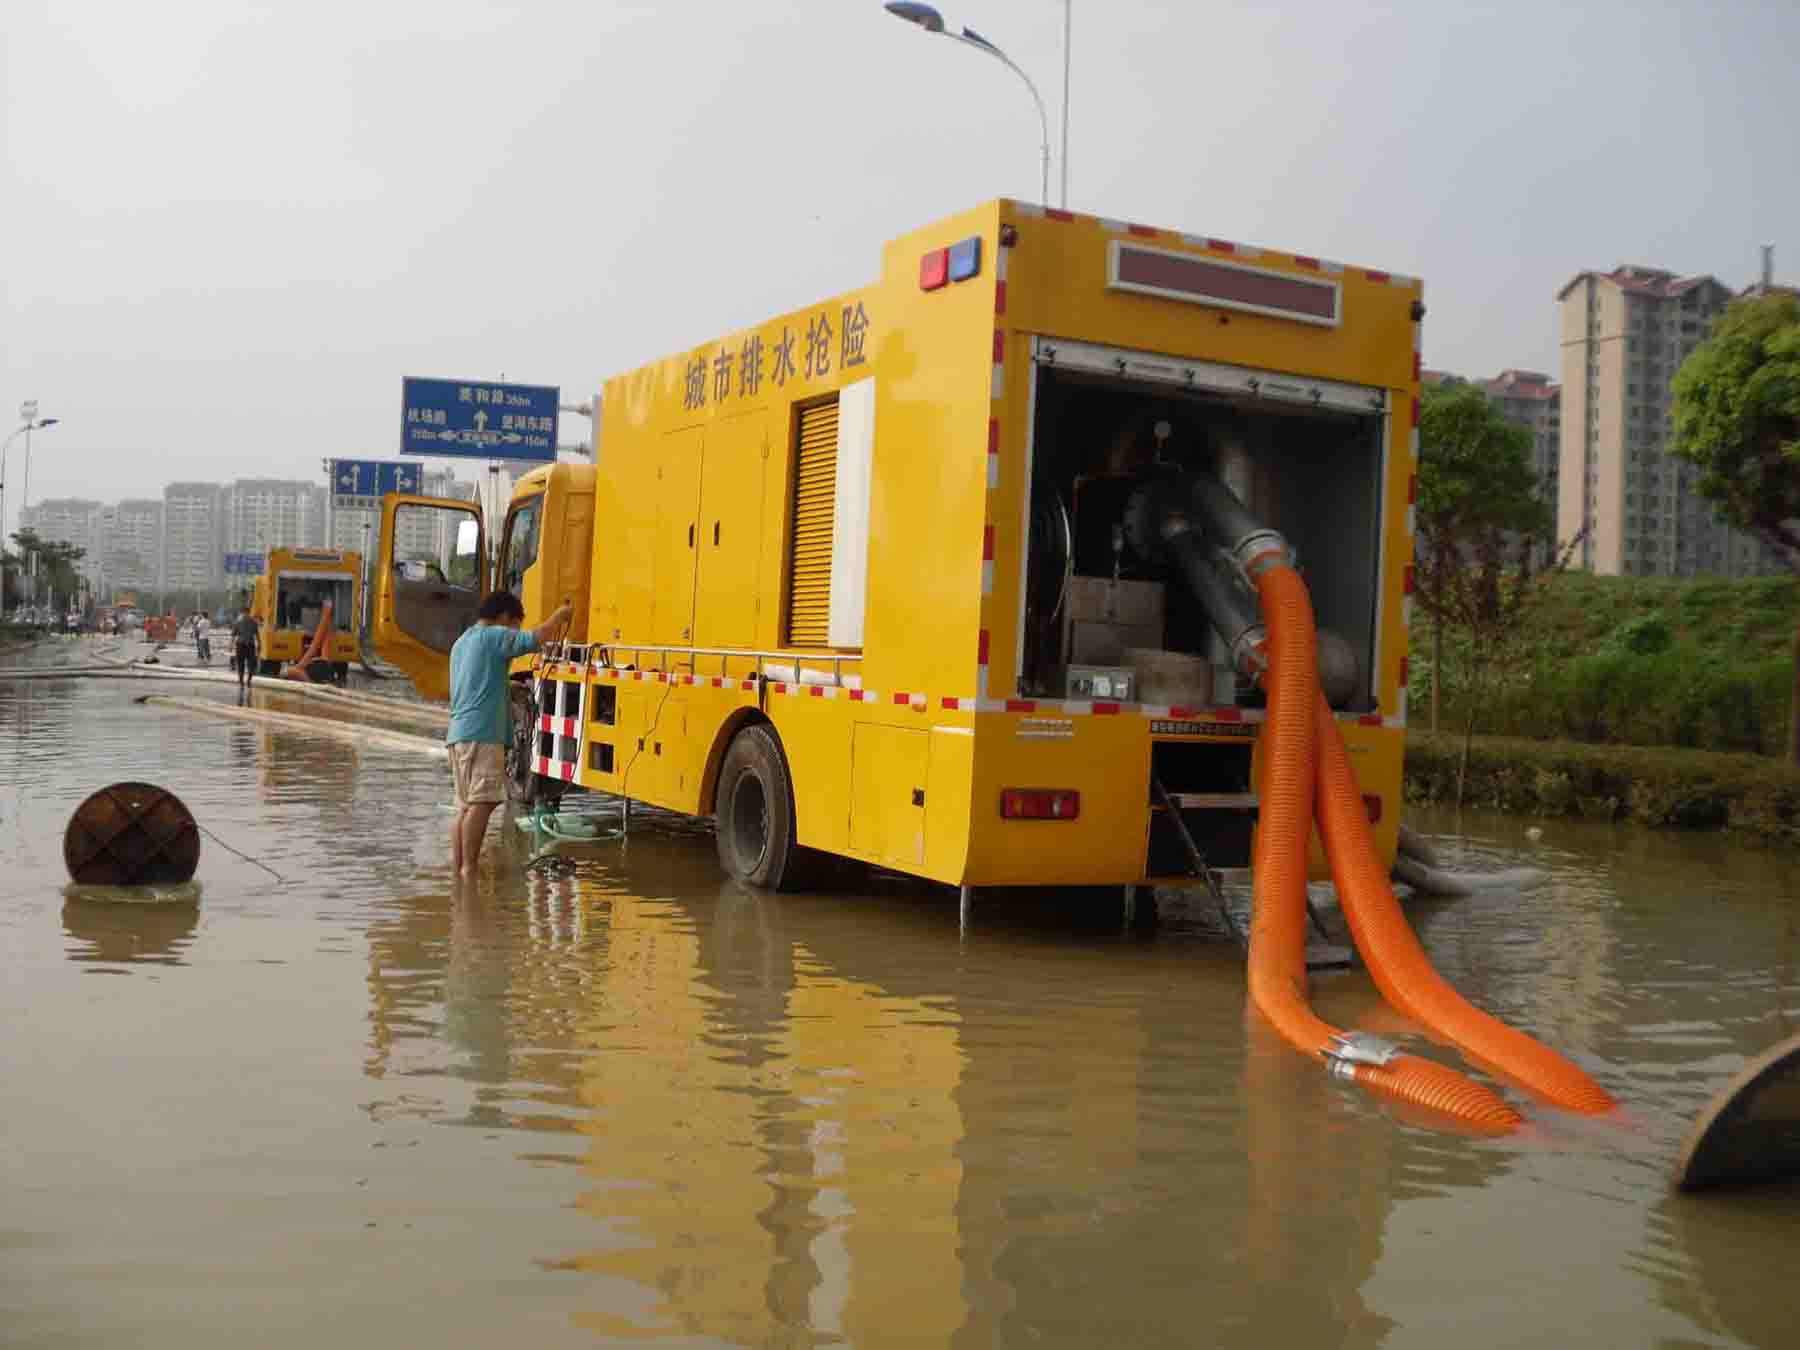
(430, 579)
(677, 510)
(730, 535)
(888, 769)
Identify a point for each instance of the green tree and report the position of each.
(1736, 414)
(52, 561)
(1480, 528)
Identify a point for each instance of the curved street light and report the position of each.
(932, 22)
(28, 423)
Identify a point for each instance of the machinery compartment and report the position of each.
(1306, 460)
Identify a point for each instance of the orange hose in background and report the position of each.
(1277, 967)
(1398, 962)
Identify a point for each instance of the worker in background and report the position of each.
(481, 716)
(203, 639)
(243, 651)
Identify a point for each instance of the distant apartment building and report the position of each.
(1624, 335)
(1527, 399)
(131, 547)
(259, 514)
(193, 537)
(68, 520)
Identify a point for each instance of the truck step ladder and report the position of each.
(1327, 957)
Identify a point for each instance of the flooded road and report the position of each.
(634, 1102)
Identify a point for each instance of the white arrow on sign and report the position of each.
(481, 419)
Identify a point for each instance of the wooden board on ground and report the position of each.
(1751, 1131)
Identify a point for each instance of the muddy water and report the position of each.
(634, 1102)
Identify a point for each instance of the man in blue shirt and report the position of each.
(481, 718)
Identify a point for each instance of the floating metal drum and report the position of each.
(131, 834)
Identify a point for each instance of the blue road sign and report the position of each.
(243, 564)
(478, 419)
(362, 483)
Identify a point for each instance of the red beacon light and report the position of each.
(959, 262)
(934, 270)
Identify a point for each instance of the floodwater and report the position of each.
(628, 1101)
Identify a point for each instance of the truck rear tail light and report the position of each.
(1372, 805)
(1039, 804)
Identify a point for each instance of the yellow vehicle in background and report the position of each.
(931, 574)
(289, 596)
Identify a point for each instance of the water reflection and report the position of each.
(822, 1117)
(130, 929)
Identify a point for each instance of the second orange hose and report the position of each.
(1392, 951)
(1278, 923)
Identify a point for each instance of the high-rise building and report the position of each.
(193, 537)
(1624, 335)
(68, 520)
(131, 547)
(263, 513)
(1528, 399)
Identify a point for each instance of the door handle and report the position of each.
(690, 536)
(715, 534)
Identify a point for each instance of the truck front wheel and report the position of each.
(755, 814)
(523, 786)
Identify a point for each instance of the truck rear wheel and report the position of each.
(754, 823)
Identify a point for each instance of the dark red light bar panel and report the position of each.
(1206, 281)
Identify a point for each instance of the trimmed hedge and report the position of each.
(1683, 789)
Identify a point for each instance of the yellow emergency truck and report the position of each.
(930, 575)
(289, 596)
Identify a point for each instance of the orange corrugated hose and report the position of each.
(1402, 971)
(1278, 922)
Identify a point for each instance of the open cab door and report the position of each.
(430, 577)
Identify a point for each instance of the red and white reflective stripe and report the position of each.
(993, 454)
(562, 726)
(962, 704)
(999, 363)
(1002, 256)
(987, 560)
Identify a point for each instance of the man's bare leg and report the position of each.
(474, 830)
(456, 839)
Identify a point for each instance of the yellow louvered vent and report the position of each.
(815, 498)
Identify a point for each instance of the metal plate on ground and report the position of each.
(1751, 1131)
(131, 834)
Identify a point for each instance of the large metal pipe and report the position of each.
(1195, 521)
(1232, 612)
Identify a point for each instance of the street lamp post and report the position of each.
(932, 22)
(29, 421)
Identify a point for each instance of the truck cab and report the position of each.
(434, 566)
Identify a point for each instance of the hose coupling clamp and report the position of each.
(1360, 1047)
(1258, 551)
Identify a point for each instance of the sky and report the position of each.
(227, 230)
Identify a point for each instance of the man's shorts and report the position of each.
(479, 768)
